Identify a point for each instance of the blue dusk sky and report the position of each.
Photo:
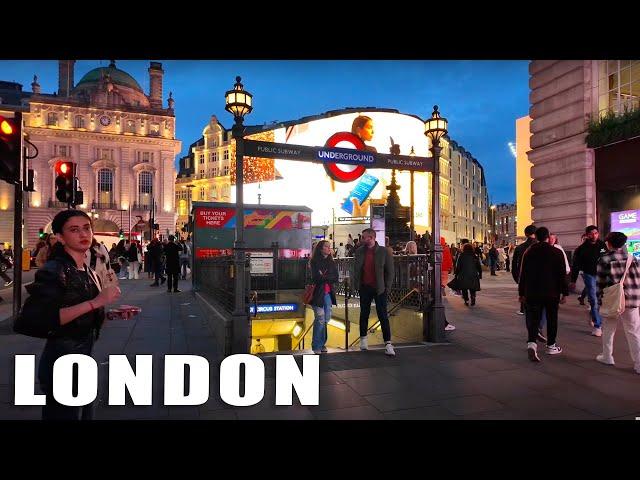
(481, 99)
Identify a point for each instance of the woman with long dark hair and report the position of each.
(66, 296)
(324, 274)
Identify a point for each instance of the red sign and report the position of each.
(212, 252)
(214, 217)
(344, 173)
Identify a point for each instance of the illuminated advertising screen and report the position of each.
(628, 222)
(310, 183)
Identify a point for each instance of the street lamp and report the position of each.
(412, 153)
(435, 129)
(494, 237)
(239, 103)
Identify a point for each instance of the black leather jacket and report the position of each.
(59, 284)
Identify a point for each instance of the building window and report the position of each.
(214, 157)
(62, 150)
(182, 207)
(201, 158)
(131, 126)
(145, 189)
(145, 157)
(214, 192)
(226, 154)
(215, 171)
(104, 154)
(225, 170)
(79, 121)
(202, 173)
(202, 190)
(618, 86)
(105, 187)
(225, 191)
(52, 119)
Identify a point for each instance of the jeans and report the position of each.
(533, 311)
(321, 315)
(184, 263)
(54, 349)
(590, 285)
(367, 294)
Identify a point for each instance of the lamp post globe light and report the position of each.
(239, 103)
(434, 320)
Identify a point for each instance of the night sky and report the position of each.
(481, 99)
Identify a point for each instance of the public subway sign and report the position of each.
(328, 155)
(179, 389)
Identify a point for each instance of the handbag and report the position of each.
(454, 284)
(307, 295)
(613, 296)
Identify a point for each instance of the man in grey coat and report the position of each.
(373, 276)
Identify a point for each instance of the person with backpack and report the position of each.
(617, 266)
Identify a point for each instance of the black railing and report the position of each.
(215, 277)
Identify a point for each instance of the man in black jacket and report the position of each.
(542, 285)
(585, 259)
(518, 252)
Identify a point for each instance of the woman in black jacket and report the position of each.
(66, 298)
(323, 273)
(468, 273)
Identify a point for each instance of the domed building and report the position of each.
(122, 140)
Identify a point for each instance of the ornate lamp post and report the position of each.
(435, 129)
(239, 103)
(412, 204)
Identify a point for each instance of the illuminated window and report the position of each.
(62, 150)
(79, 121)
(182, 207)
(105, 186)
(215, 171)
(201, 158)
(618, 86)
(214, 157)
(202, 189)
(225, 170)
(214, 192)
(52, 119)
(145, 157)
(226, 154)
(145, 189)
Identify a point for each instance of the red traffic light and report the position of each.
(10, 147)
(64, 168)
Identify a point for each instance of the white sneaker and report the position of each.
(388, 350)
(450, 327)
(607, 361)
(532, 351)
(364, 344)
(553, 349)
(520, 313)
(596, 332)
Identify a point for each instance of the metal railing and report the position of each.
(215, 277)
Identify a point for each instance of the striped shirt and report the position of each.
(610, 269)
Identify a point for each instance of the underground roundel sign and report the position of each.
(341, 172)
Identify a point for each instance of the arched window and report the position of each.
(105, 188)
(79, 121)
(145, 189)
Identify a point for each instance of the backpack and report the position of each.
(613, 296)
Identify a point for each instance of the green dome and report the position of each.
(118, 77)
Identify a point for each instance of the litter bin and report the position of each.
(26, 260)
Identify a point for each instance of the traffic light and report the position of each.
(121, 234)
(41, 233)
(10, 147)
(65, 173)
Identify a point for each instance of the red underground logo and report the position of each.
(341, 172)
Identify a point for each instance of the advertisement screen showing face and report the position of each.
(305, 183)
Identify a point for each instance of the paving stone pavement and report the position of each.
(482, 373)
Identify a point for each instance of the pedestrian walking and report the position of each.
(585, 259)
(542, 286)
(617, 265)
(185, 258)
(172, 254)
(373, 276)
(324, 273)
(67, 299)
(468, 273)
(518, 252)
(492, 255)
